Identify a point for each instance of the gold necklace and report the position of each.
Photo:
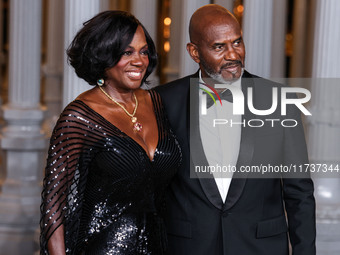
(136, 125)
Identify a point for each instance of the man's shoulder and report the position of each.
(261, 82)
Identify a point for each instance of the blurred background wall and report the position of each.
(284, 39)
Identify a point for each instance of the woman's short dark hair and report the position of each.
(102, 41)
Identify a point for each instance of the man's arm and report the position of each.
(298, 190)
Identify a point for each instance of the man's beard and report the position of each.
(217, 76)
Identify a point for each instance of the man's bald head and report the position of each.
(204, 17)
(216, 43)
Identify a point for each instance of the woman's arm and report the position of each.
(56, 244)
(64, 182)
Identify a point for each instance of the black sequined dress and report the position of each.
(101, 185)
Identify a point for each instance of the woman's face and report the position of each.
(128, 73)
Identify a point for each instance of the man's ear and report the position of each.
(193, 52)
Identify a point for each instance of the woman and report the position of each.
(112, 152)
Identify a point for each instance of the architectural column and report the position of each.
(310, 38)
(146, 12)
(257, 34)
(2, 55)
(172, 68)
(76, 13)
(2, 89)
(53, 67)
(186, 65)
(264, 36)
(299, 38)
(104, 5)
(324, 126)
(22, 137)
(278, 55)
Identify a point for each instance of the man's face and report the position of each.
(221, 51)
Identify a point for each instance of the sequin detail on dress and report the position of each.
(101, 185)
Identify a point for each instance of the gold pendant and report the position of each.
(137, 127)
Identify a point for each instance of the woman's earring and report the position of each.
(100, 82)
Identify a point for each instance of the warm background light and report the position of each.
(166, 32)
(240, 8)
(167, 46)
(167, 21)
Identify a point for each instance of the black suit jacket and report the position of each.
(252, 220)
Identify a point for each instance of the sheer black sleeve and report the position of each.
(72, 143)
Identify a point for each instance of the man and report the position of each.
(237, 215)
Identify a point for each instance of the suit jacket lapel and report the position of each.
(198, 158)
(246, 149)
(197, 154)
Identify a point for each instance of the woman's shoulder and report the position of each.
(78, 114)
(82, 104)
(155, 96)
(89, 97)
(153, 92)
(76, 108)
